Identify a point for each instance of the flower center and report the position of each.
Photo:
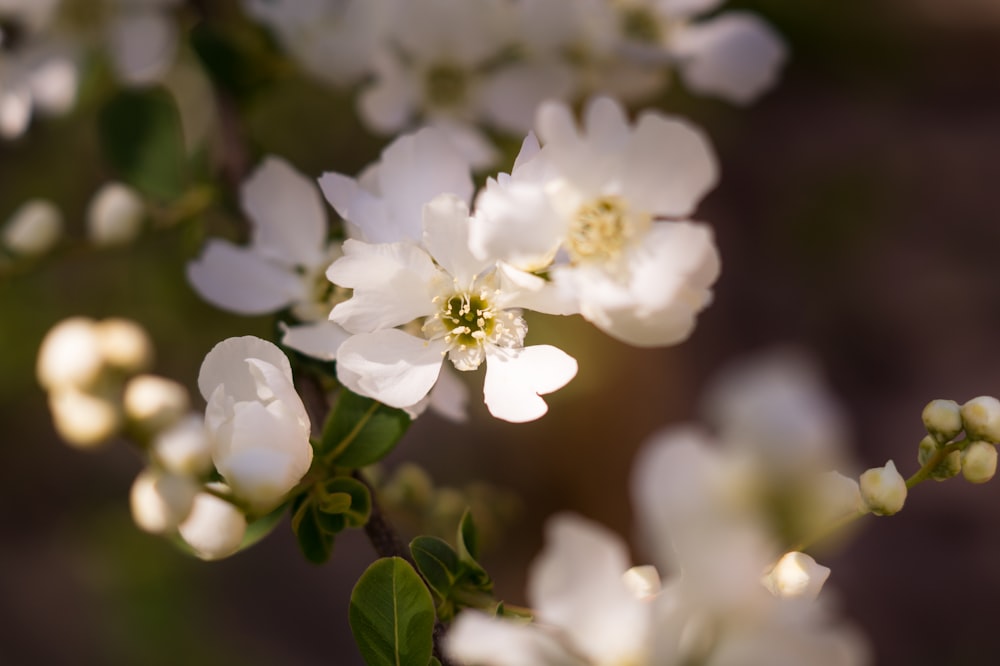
(469, 320)
(601, 229)
(640, 25)
(446, 85)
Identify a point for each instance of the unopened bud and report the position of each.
(83, 419)
(948, 468)
(115, 215)
(155, 402)
(33, 229)
(979, 462)
(836, 496)
(928, 447)
(981, 417)
(125, 345)
(943, 418)
(796, 576)
(160, 501)
(883, 489)
(70, 355)
(642, 581)
(214, 528)
(184, 447)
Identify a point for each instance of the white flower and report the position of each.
(883, 489)
(124, 344)
(590, 202)
(70, 355)
(733, 55)
(979, 462)
(981, 417)
(184, 447)
(284, 263)
(257, 423)
(160, 501)
(334, 40)
(454, 304)
(33, 229)
(796, 575)
(153, 402)
(82, 418)
(214, 528)
(142, 39)
(115, 215)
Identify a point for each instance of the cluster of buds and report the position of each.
(975, 454)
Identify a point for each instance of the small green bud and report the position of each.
(943, 418)
(949, 467)
(979, 462)
(928, 447)
(981, 417)
(883, 489)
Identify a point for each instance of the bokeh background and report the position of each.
(857, 217)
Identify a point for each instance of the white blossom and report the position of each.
(70, 355)
(214, 528)
(142, 39)
(184, 447)
(124, 344)
(283, 265)
(257, 424)
(115, 215)
(33, 229)
(153, 402)
(82, 418)
(450, 304)
(161, 501)
(592, 202)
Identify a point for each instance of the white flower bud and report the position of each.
(981, 417)
(642, 581)
(155, 402)
(184, 447)
(160, 501)
(214, 528)
(83, 419)
(836, 496)
(979, 462)
(926, 449)
(943, 418)
(125, 345)
(70, 355)
(115, 215)
(883, 489)
(33, 229)
(796, 576)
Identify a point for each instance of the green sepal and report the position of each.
(360, 431)
(359, 505)
(312, 530)
(468, 548)
(141, 138)
(392, 615)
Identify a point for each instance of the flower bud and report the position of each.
(115, 215)
(642, 581)
(214, 528)
(943, 418)
(883, 489)
(155, 402)
(979, 462)
(83, 419)
(948, 468)
(33, 229)
(835, 496)
(183, 448)
(70, 355)
(981, 417)
(796, 576)
(926, 450)
(160, 501)
(125, 345)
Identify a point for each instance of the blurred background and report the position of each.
(857, 217)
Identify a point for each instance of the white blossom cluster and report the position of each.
(592, 221)
(731, 594)
(254, 433)
(463, 66)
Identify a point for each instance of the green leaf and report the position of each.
(314, 535)
(434, 662)
(438, 563)
(359, 505)
(361, 431)
(467, 538)
(392, 615)
(141, 137)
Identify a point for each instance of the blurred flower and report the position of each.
(33, 229)
(214, 528)
(142, 39)
(160, 501)
(257, 424)
(115, 215)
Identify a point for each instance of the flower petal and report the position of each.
(289, 222)
(446, 237)
(239, 280)
(476, 638)
(515, 378)
(390, 366)
(319, 339)
(225, 365)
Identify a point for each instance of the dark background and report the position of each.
(857, 216)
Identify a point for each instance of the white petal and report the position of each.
(472, 144)
(525, 290)
(319, 339)
(390, 366)
(394, 283)
(239, 280)
(450, 396)
(54, 84)
(446, 237)
(577, 584)
(511, 96)
(515, 378)
(367, 215)
(668, 166)
(390, 101)
(515, 222)
(225, 365)
(289, 223)
(684, 8)
(735, 56)
(15, 112)
(214, 528)
(605, 124)
(143, 45)
(475, 638)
